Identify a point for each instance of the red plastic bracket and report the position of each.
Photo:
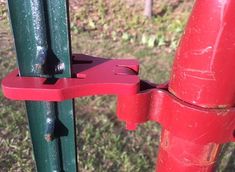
(92, 76)
(138, 101)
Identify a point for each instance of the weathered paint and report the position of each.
(42, 45)
(203, 75)
(203, 70)
(177, 154)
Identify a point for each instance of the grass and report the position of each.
(103, 143)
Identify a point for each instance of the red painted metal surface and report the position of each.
(203, 71)
(177, 154)
(93, 76)
(203, 75)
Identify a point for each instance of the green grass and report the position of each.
(103, 142)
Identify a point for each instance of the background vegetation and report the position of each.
(114, 29)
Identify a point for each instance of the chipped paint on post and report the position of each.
(41, 33)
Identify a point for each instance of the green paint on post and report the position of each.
(41, 32)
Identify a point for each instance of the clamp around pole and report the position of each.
(138, 101)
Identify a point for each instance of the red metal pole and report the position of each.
(203, 75)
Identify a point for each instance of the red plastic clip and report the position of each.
(92, 76)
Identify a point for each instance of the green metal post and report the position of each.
(42, 42)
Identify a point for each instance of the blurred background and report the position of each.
(112, 29)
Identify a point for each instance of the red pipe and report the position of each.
(180, 155)
(203, 71)
(203, 75)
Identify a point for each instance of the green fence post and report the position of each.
(42, 42)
